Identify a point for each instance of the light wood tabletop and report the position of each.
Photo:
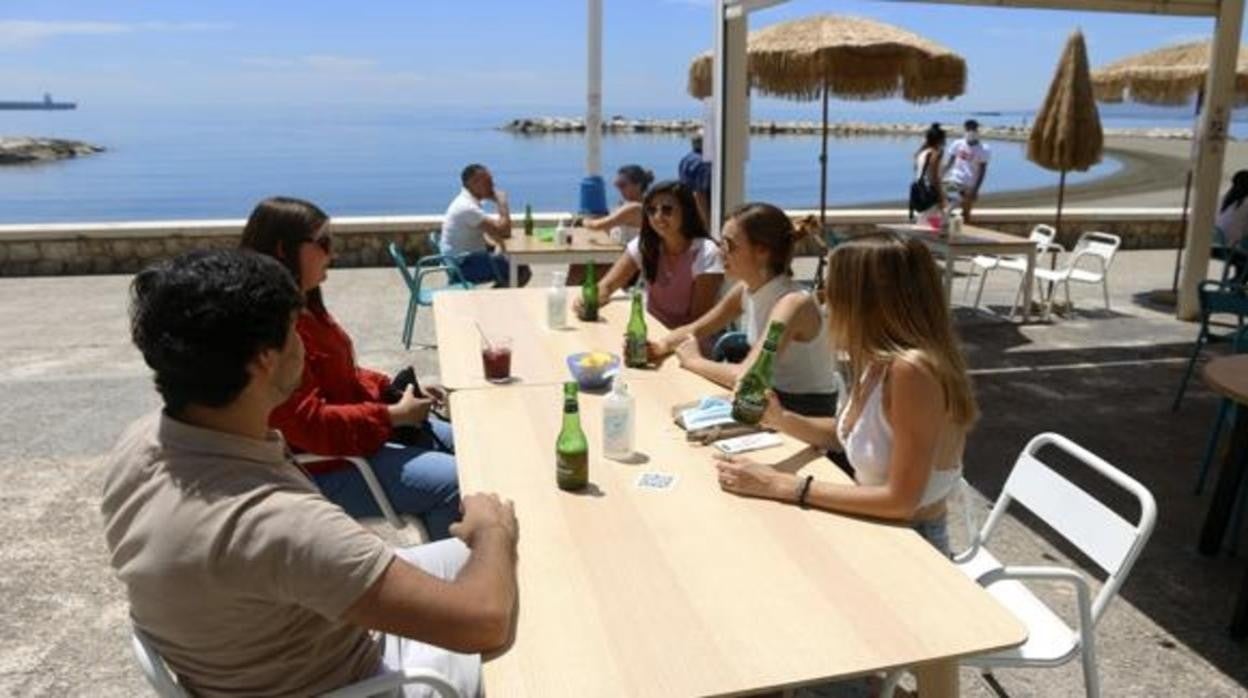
(1228, 375)
(690, 591)
(538, 353)
(586, 246)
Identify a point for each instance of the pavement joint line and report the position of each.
(1075, 367)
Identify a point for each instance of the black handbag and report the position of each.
(922, 194)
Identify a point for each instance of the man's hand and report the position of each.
(410, 410)
(485, 512)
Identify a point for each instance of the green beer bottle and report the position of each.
(528, 220)
(589, 296)
(750, 401)
(571, 448)
(635, 334)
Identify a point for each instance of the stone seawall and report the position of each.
(123, 248)
(22, 150)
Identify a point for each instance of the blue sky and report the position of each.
(477, 53)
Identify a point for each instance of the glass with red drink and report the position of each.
(496, 359)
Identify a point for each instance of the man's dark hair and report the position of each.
(696, 144)
(971, 125)
(201, 317)
(470, 172)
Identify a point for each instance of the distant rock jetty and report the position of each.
(19, 151)
(621, 125)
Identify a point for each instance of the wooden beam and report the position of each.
(1186, 8)
(1210, 154)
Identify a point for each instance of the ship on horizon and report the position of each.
(46, 104)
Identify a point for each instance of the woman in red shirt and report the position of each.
(342, 409)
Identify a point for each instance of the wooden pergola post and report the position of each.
(1211, 149)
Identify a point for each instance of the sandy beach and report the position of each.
(1152, 175)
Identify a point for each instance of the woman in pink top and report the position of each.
(679, 262)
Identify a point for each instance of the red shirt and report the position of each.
(338, 409)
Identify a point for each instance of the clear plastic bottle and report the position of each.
(557, 302)
(617, 422)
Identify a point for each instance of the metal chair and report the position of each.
(162, 680)
(1106, 538)
(396, 520)
(1042, 235)
(1096, 246)
(1215, 298)
(415, 279)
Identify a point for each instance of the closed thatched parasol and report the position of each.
(1172, 75)
(1067, 133)
(846, 57)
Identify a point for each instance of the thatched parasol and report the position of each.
(1172, 75)
(846, 57)
(1067, 133)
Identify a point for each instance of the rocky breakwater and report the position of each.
(540, 125)
(21, 150)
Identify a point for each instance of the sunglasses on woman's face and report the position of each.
(664, 209)
(324, 241)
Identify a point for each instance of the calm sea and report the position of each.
(168, 162)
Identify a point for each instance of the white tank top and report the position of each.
(869, 448)
(802, 367)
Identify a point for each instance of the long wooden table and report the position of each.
(972, 241)
(587, 246)
(1228, 376)
(538, 353)
(690, 591)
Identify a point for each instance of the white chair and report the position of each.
(1042, 235)
(1100, 247)
(162, 680)
(1106, 538)
(374, 487)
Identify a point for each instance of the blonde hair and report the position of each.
(885, 303)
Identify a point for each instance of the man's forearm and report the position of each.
(488, 581)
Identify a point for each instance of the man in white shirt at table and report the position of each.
(477, 237)
(966, 168)
(239, 572)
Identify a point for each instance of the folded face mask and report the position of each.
(710, 411)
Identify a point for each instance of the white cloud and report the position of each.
(23, 33)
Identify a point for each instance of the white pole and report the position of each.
(593, 111)
(1211, 147)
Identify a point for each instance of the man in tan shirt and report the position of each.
(243, 577)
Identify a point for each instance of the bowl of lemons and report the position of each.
(593, 370)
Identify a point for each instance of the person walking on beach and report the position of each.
(694, 172)
(469, 231)
(966, 168)
(926, 194)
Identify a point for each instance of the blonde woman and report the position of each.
(910, 408)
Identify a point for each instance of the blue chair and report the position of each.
(1226, 414)
(1215, 297)
(414, 277)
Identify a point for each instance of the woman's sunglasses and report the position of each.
(325, 242)
(665, 209)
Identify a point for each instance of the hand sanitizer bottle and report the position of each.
(617, 422)
(557, 302)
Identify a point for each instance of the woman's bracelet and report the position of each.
(805, 490)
